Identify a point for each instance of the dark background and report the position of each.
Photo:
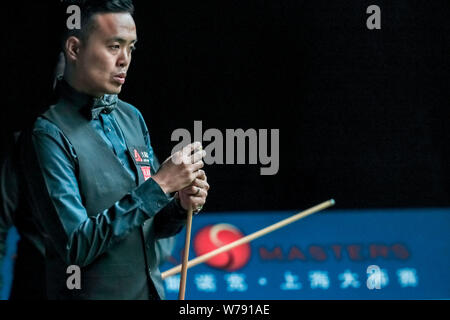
(363, 114)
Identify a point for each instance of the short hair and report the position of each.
(88, 9)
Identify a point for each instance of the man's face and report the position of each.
(103, 59)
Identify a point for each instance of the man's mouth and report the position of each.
(120, 78)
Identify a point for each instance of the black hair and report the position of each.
(89, 8)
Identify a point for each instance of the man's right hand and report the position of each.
(181, 169)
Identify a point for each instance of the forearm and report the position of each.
(92, 236)
(170, 220)
(3, 236)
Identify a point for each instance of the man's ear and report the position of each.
(72, 47)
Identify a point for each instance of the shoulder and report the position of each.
(48, 136)
(133, 111)
(43, 126)
(129, 108)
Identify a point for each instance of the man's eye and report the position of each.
(115, 47)
(133, 48)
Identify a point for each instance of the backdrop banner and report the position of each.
(335, 254)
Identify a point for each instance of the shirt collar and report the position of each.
(90, 106)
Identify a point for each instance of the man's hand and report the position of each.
(181, 169)
(194, 196)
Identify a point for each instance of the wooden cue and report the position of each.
(184, 266)
(253, 236)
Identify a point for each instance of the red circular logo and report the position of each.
(215, 236)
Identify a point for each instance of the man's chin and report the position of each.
(109, 88)
(114, 89)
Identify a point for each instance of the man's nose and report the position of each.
(124, 58)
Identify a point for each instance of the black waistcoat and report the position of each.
(129, 268)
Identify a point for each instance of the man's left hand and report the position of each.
(194, 196)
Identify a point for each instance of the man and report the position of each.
(8, 201)
(29, 263)
(94, 188)
(29, 271)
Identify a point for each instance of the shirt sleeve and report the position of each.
(8, 204)
(80, 238)
(9, 192)
(172, 218)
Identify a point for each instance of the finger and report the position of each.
(192, 148)
(195, 202)
(197, 156)
(191, 190)
(177, 158)
(196, 167)
(201, 175)
(200, 194)
(203, 194)
(195, 192)
(201, 184)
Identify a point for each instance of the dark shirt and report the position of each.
(85, 238)
(29, 271)
(9, 193)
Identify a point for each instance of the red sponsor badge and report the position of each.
(146, 172)
(137, 156)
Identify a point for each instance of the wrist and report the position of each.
(179, 205)
(161, 184)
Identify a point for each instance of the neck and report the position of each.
(71, 80)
